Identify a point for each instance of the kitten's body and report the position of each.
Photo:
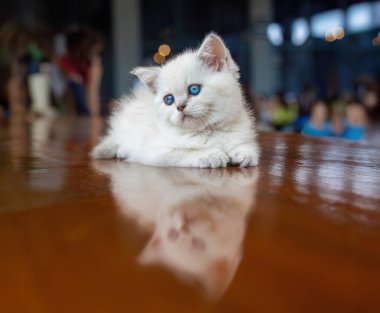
(214, 129)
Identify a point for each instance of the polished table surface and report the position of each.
(299, 233)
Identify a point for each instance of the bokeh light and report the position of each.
(164, 50)
(339, 32)
(330, 35)
(334, 34)
(300, 31)
(359, 17)
(275, 34)
(158, 58)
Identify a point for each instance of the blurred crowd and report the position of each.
(43, 72)
(349, 115)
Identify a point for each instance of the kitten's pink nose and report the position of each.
(181, 107)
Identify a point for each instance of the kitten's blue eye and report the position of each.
(169, 99)
(194, 89)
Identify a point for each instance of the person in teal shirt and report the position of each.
(318, 125)
(356, 121)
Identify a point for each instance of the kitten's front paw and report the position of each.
(244, 156)
(214, 159)
(122, 153)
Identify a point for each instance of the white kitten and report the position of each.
(193, 114)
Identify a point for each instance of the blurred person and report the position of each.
(338, 112)
(337, 123)
(283, 114)
(263, 112)
(14, 38)
(356, 121)
(76, 72)
(95, 75)
(368, 93)
(83, 68)
(305, 101)
(57, 77)
(372, 104)
(39, 52)
(338, 105)
(371, 99)
(318, 125)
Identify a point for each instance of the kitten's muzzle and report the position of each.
(181, 107)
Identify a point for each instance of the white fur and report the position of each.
(214, 130)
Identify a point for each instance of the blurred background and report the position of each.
(306, 66)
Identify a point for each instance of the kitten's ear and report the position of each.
(148, 75)
(214, 53)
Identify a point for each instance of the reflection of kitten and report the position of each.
(193, 114)
(197, 217)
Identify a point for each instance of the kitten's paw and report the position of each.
(106, 149)
(244, 156)
(122, 153)
(214, 159)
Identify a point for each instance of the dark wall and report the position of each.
(183, 24)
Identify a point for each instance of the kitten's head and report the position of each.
(198, 88)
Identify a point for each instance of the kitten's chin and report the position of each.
(186, 120)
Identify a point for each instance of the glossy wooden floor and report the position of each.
(300, 233)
